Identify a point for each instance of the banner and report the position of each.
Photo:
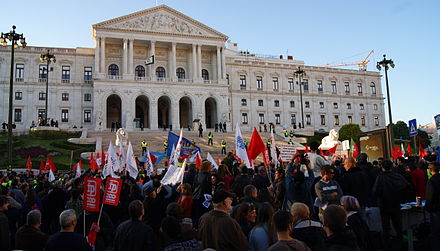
(188, 148)
(112, 191)
(92, 187)
(287, 152)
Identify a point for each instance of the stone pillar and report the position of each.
(130, 57)
(175, 117)
(223, 63)
(152, 73)
(102, 58)
(97, 69)
(173, 62)
(219, 64)
(199, 62)
(194, 62)
(153, 115)
(124, 58)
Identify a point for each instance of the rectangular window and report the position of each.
(320, 87)
(243, 81)
(42, 96)
(363, 120)
(293, 119)
(335, 105)
(373, 89)
(261, 118)
(64, 96)
(321, 105)
(260, 102)
(375, 107)
(275, 83)
(244, 118)
(87, 116)
(277, 119)
(17, 115)
(276, 103)
(292, 104)
(259, 82)
(64, 115)
(308, 119)
(243, 102)
(18, 95)
(322, 119)
(360, 89)
(290, 83)
(361, 106)
(307, 104)
(65, 73)
(348, 106)
(305, 85)
(347, 88)
(350, 120)
(336, 120)
(87, 74)
(41, 113)
(87, 97)
(333, 87)
(376, 121)
(19, 72)
(42, 73)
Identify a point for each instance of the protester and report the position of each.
(327, 190)
(185, 199)
(174, 241)
(246, 216)
(283, 225)
(202, 185)
(4, 225)
(263, 234)
(339, 237)
(354, 220)
(278, 188)
(29, 236)
(433, 204)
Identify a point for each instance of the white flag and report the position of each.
(273, 150)
(170, 175)
(131, 162)
(211, 159)
(51, 176)
(176, 154)
(78, 169)
(148, 164)
(181, 173)
(240, 149)
(112, 162)
(402, 149)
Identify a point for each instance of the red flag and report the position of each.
(422, 152)
(153, 158)
(91, 237)
(307, 149)
(198, 160)
(92, 187)
(256, 145)
(266, 157)
(29, 163)
(102, 157)
(332, 150)
(50, 165)
(93, 164)
(408, 149)
(355, 152)
(396, 152)
(219, 161)
(112, 191)
(42, 165)
(79, 164)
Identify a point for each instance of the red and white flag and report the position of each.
(78, 168)
(92, 188)
(50, 165)
(212, 161)
(112, 191)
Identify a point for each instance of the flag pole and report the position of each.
(71, 157)
(100, 213)
(84, 222)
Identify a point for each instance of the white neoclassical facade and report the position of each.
(197, 75)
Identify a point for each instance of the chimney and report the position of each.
(289, 57)
(281, 56)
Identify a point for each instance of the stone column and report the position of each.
(219, 64)
(223, 63)
(102, 58)
(124, 58)
(199, 62)
(152, 74)
(173, 62)
(194, 62)
(97, 69)
(175, 117)
(153, 115)
(130, 57)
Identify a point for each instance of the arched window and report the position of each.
(205, 74)
(139, 71)
(113, 70)
(160, 72)
(180, 72)
(373, 88)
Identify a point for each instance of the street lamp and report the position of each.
(13, 38)
(47, 58)
(300, 74)
(384, 63)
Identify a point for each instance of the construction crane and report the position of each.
(362, 64)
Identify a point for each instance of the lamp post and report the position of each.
(13, 37)
(47, 58)
(384, 63)
(300, 74)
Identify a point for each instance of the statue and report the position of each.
(121, 137)
(330, 141)
(99, 121)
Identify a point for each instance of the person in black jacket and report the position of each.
(202, 185)
(355, 222)
(133, 234)
(433, 204)
(355, 182)
(29, 236)
(105, 228)
(340, 238)
(389, 189)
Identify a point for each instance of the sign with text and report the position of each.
(412, 126)
(92, 187)
(112, 191)
(287, 152)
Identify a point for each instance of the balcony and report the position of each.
(19, 79)
(42, 80)
(65, 81)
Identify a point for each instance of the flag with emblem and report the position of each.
(240, 148)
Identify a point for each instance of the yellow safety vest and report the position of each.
(144, 144)
(210, 136)
(223, 144)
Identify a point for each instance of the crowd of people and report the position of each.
(310, 203)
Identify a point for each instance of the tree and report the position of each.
(423, 138)
(350, 131)
(400, 130)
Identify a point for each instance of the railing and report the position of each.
(88, 81)
(42, 80)
(115, 77)
(65, 81)
(19, 79)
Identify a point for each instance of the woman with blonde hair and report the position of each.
(355, 222)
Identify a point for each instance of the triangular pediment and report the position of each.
(160, 19)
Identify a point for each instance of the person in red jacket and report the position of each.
(417, 177)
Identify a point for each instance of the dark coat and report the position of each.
(104, 237)
(202, 185)
(433, 194)
(239, 183)
(311, 233)
(355, 182)
(67, 241)
(30, 238)
(5, 244)
(342, 241)
(360, 229)
(133, 235)
(390, 189)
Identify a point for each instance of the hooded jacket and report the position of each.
(342, 241)
(390, 188)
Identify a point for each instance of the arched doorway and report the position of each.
(163, 112)
(143, 111)
(185, 111)
(210, 112)
(114, 108)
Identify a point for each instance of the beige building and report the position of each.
(197, 75)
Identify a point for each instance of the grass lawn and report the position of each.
(41, 144)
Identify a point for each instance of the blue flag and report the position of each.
(188, 147)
